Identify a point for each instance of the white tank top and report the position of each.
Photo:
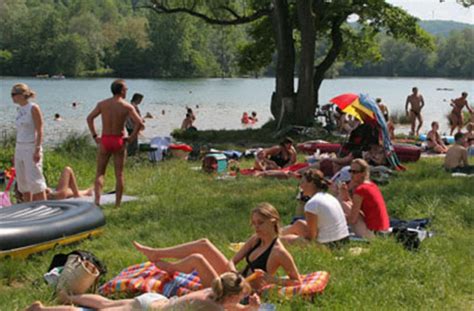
(25, 127)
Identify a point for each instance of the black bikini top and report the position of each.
(280, 160)
(260, 262)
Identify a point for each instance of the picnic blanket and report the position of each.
(292, 168)
(146, 277)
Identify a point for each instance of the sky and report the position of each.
(434, 9)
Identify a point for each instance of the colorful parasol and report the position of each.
(350, 104)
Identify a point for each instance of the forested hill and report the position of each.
(443, 28)
(109, 38)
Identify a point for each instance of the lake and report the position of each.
(218, 103)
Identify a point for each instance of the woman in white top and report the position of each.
(324, 217)
(28, 150)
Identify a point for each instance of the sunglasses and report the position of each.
(14, 94)
(355, 171)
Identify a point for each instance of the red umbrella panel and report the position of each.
(350, 104)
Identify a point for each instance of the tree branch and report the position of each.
(235, 20)
(334, 51)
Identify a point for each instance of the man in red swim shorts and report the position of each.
(114, 112)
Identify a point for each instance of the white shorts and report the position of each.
(29, 175)
(147, 299)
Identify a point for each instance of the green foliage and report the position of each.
(99, 38)
(76, 145)
(400, 117)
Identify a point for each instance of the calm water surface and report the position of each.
(218, 103)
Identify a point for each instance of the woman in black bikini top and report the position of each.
(205, 257)
(260, 262)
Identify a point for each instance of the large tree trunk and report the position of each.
(331, 56)
(283, 97)
(305, 106)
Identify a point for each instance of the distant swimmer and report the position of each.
(74, 105)
(417, 103)
(57, 117)
(163, 112)
(456, 118)
(187, 123)
(191, 113)
(245, 118)
(148, 115)
(253, 117)
(114, 112)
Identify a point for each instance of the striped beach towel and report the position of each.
(146, 277)
(311, 284)
(141, 278)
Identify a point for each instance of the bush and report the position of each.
(399, 117)
(78, 145)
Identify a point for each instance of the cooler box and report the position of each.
(214, 162)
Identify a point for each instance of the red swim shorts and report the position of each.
(112, 143)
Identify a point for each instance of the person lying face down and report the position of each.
(276, 157)
(226, 291)
(262, 251)
(324, 218)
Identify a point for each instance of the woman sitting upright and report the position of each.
(276, 157)
(262, 251)
(434, 141)
(324, 217)
(365, 208)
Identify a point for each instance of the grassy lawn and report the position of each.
(178, 204)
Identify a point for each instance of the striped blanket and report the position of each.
(146, 277)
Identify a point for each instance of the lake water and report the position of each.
(218, 103)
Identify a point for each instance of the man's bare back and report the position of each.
(455, 157)
(114, 113)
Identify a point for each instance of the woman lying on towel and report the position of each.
(364, 207)
(263, 251)
(324, 218)
(276, 157)
(67, 187)
(225, 293)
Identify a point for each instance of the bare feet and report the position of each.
(149, 252)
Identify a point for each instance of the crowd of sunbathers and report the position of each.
(351, 201)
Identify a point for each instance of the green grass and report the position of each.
(178, 204)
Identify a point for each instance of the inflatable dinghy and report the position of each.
(37, 226)
(405, 152)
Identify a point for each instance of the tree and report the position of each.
(313, 20)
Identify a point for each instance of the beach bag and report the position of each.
(4, 196)
(81, 271)
(4, 199)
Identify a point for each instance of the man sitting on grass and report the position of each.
(456, 157)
